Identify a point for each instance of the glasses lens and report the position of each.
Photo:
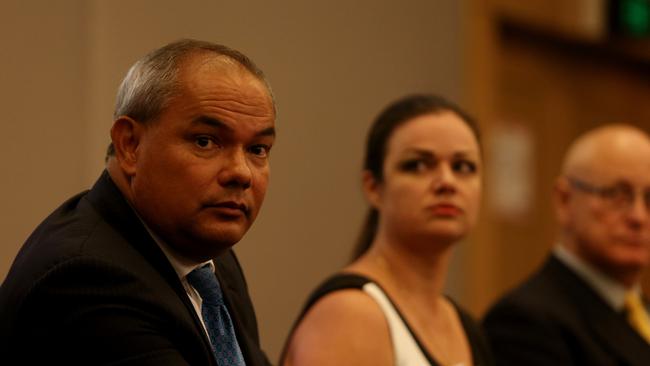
(620, 195)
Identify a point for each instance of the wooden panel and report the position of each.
(556, 88)
(579, 19)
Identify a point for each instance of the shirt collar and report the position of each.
(182, 265)
(609, 289)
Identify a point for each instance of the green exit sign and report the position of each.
(633, 17)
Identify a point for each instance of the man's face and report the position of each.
(610, 232)
(202, 167)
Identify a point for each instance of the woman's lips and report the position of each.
(446, 209)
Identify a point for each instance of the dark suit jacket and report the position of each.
(555, 318)
(91, 287)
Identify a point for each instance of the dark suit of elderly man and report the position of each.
(584, 305)
(107, 277)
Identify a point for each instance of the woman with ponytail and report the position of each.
(422, 180)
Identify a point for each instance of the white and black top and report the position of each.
(407, 347)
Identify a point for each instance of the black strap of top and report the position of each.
(342, 281)
(339, 281)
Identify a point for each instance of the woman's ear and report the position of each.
(371, 189)
(126, 134)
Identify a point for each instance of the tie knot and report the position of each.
(633, 301)
(205, 283)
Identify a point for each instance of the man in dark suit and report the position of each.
(583, 306)
(106, 278)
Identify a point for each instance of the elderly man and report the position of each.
(584, 306)
(139, 270)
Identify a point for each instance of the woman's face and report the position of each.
(432, 183)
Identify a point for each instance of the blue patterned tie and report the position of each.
(216, 317)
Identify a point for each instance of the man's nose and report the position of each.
(235, 170)
(639, 210)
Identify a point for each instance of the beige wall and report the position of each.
(333, 64)
(42, 123)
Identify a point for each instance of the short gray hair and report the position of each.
(152, 81)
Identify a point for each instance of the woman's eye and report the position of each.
(464, 167)
(415, 165)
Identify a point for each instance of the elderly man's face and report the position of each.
(203, 166)
(612, 227)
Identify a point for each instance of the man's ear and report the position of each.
(371, 189)
(126, 134)
(561, 200)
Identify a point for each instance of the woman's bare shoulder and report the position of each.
(345, 327)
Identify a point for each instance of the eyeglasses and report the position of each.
(620, 195)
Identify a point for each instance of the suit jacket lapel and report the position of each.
(620, 338)
(109, 201)
(607, 325)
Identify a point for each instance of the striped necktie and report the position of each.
(216, 318)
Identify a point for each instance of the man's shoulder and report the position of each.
(75, 238)
(74, 229)
(554, 318)
(59, 236)
(544, 293)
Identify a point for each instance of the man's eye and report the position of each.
(260, 150)
(204, 142)
(619, 193)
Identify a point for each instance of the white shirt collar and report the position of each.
(182, 265)
(609, 289)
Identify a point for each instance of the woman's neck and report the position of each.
(407, 269)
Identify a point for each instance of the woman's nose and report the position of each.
(444, 180)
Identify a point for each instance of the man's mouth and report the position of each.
(231, 208)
